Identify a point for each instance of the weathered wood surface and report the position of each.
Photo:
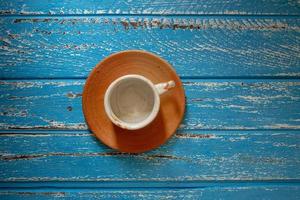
(250, 192)
(188, 156)
(211, 104)
(240, 137)
(220, 47)
(161, 7)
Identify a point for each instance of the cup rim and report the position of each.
(125, 125)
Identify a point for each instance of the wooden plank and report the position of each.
(211, 104)
(252, 192)
(161, 7)
(70, 47)
(188, 156)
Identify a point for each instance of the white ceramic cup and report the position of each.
(132, 101)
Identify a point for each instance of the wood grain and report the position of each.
(198, 47)
(188, 156)
(236, 58)
(161, 7)
(250, 192)
(211, 104)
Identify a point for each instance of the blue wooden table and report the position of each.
(240, 66)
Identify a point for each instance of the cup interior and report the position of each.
(132, 100)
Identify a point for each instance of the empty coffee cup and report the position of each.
(132, 101)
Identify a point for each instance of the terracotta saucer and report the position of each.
(171, 108)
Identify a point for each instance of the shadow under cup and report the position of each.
(132, 102)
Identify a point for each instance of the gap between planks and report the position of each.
(185, 78)
(143, 184)
(149, 15)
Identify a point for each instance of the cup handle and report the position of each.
(164, 87)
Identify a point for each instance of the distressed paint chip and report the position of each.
(37, 156)
(171, 23)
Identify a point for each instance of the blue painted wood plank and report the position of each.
(211, 104)
(188, 156)
(70, 47)
(161, 7)
(270, 192)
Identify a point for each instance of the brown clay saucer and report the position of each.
(171, 108)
